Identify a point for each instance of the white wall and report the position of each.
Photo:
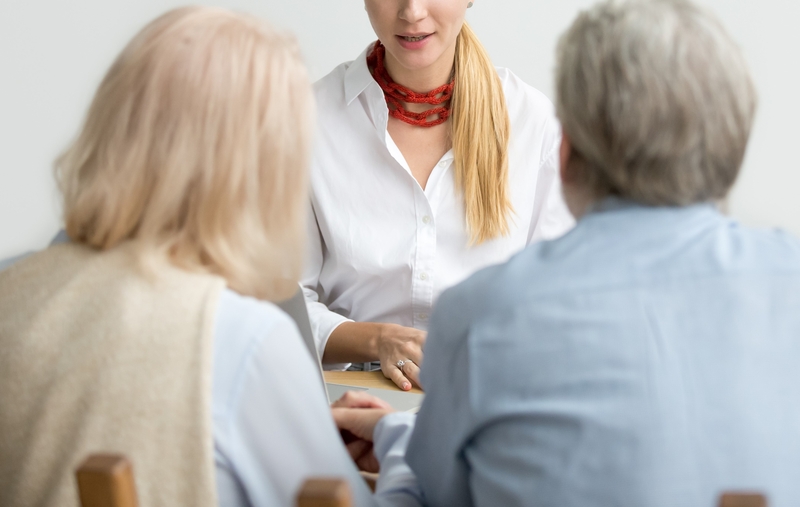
(54, 53)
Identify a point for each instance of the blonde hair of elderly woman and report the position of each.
(197, 156)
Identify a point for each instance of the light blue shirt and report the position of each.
(272, 426)
(649, 358)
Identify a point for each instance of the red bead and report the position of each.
(397, 94)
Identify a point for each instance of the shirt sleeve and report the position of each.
(445, 420)
(272, 425)
(323, 321)
(397, 484)
(551, 217)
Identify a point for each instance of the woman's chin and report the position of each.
(416, 60)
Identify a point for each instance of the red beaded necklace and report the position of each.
(397, 94)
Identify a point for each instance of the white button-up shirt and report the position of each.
(381, 247)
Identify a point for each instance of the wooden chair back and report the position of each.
(107, 481)
(742, 500)
(324, 493)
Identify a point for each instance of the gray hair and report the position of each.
(657, 101)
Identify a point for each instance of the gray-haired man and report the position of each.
(650, 357)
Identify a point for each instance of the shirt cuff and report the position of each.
(390, 439)
(323, 322)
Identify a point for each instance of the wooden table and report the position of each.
(373, 379)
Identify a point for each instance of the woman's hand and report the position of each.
(360, 399)
(395, 344)
(361, 342)
(360, 422)
(348, 413)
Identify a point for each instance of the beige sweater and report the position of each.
(97, 357)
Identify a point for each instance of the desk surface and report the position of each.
(373, 379)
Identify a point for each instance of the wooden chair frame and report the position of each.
(107, 481)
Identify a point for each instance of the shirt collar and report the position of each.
(357, 77)
(610, 203)
(613, 203)
(61, 237)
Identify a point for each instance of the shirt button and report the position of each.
(443, 163)
(423, 276)
(426, 219)
(423, 316)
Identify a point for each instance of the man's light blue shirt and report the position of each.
(649, 358)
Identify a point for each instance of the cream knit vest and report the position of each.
(96, 357)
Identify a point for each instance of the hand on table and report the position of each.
(361, 342)
(356, 414)
(397, 343)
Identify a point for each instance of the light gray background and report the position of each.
(53, 54)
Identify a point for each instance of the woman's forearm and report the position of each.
(398, 348)
(353, 342)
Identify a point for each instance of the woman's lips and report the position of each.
(413, 41)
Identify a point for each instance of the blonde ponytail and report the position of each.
(480, 134)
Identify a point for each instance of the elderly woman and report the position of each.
(147, 334)
(650, 357)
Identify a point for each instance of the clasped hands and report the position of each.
(356, 415)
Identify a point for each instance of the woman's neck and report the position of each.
(422, 80)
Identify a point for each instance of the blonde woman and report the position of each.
(429, 164)
(144, 331)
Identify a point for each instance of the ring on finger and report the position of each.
(402, 363)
